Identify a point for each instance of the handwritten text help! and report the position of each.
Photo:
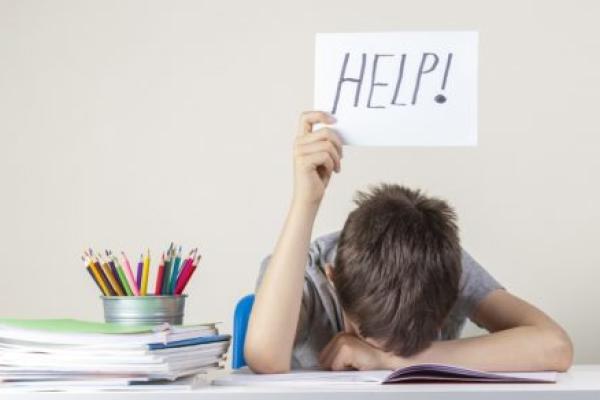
(399, 88)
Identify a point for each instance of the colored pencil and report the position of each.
(123, 280)
(160, 276)
(183, 281)
(112, 280)
(89, 269)
(98, 276)
(94, 276)
(103, 277)
(184, 267)
(140, 267)
(113, 276)
(129, 273)
(115, 273)
(145, 273)
(167, 274)
(175, 272)
(187, 264)
(122, 275)
(182, 275)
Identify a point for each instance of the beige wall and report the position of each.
(126, 124)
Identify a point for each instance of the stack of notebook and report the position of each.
(66, 354)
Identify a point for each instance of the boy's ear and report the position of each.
(329, 272)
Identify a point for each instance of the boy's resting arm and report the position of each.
(522, 338)
(274, 317)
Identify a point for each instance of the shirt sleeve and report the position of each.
(475, 284)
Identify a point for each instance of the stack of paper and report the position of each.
(61, 354)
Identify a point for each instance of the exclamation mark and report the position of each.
(440, 98)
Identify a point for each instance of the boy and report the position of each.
(394, 288)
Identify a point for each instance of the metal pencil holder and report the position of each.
(144, 310)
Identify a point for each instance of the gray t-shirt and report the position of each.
(321, 316)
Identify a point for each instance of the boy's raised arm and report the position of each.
(274, 318)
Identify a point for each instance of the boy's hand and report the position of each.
(316, 155)
(346, 352)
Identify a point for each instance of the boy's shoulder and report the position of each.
(327, 241)
(323, 249)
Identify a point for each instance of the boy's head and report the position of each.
(398, 267)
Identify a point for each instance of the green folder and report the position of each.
(73, 326)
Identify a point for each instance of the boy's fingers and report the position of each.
(329, 166)
(323, 146)
(324, 355)
(322, 134)
(309, 118)
(323, 159)
(328, 353)
(338, 360)
(339, 363)
(326, 359)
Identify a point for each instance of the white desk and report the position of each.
(581, 382)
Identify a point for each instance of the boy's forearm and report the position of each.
(524, 348)
(274, 319)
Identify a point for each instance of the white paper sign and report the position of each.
(399, 88)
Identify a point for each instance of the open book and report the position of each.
(449, 373)
(420, 373)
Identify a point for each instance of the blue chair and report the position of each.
(240, 325)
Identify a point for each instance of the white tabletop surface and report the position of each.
(581, 382)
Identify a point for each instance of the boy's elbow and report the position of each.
(560, 350)
(262, 360)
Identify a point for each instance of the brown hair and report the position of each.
(398, 267)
